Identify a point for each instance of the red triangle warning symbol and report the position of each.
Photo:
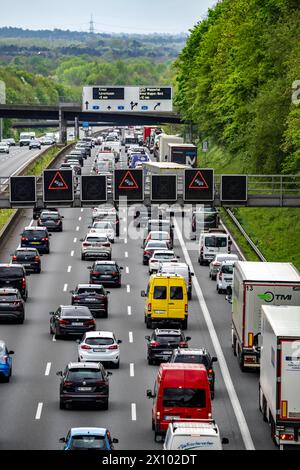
(198, 182)
(58, 182)
(128, 182)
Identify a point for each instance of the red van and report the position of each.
(180, 391)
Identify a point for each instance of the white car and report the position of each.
(214, 266)
(4, 147)
(225, 276)
(103, 227)
(161, 256)
(99, 346)
(95, 246)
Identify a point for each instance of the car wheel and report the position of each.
(149, 323)
(117, 365)
(6, 379)
(20, 321)
(56, 336)
(184, 324)
(62, 405)
(82, 257)
(189, 296)
(153, 425)
(50, 330)
(105, 315)
(150, 361)
(145, 262)
(105, 405)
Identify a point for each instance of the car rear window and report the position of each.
(156, 243)
(164, 255)
(102, 268)
(103, 225)
(96, 239)
(192, 359)
(184, 397)
(90, 291)
(34, 233)
(72, 312)
(54, 216)
(227, 269)
(176, 293)
(99, 341)
(88, 442)
(160, 292)
(11, 272)
(26, 253)
(8, 297)
(84, 374)
(168, 338)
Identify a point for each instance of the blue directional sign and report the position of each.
(96, 107)
(85, 124)
(144, 108)
(121, 108)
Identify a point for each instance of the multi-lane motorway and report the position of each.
(29, 404)
(17, 157)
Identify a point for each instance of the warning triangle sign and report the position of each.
(128, 182)
(58, 182)
(198, 182)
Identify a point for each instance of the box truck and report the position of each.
(256, 284)
(185, 154)
(279, 383)
(161, 149)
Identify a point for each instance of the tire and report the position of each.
(234, 345)
(153, 425)
(184, 324)
(149, 323)
(38, 271)
(117, 366)
(190, 295)
(264, 409)
(6, 379)
(56, 336)
(145, 262)
(62, 405)
(105, 405)
(241, 362)
(82, 257)
(105, 314)
(20, 321)
(213, 278)
(150, 363)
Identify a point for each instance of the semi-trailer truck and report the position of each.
(185, 154)
(161, 149)
(256, 284)
(279, 383)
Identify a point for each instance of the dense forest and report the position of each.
(235, 78)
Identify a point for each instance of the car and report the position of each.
(35, 144)
(225, 277)
(162, 342)
(160, 256)
(107, 213)
(197, 356)
(38, 210)
(93, 296)
(4, 147)
(5, 362)
(95, 246)
(74, 165)
(28, 257)
(11, 142)
(51, 220)
(84, 382)
(84, 149)
(100, 346)
(159, 235)
(103, 226)
(107, 273)
(215, 264)
(14, 276)
(74, 156)
(36, 237)
(88, 439)
(47, 141)
(160, 224)
(137, 158)
(203, 218)
(12, 305)
(71, 320)
(153, 245)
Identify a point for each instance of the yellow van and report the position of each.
(167, 301)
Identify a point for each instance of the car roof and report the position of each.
(91, 286)
(98, 234)
(159, 231)
(167, 331)
(99, 334)
(25, 248)
(178, 266)
(195, 351)
(85, 365)
(228, 262)
(86, 431)
(164, 252)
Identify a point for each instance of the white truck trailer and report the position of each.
(279, 384)
(256, 284)
(162, 152)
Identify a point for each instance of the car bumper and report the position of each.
(95, 308)
(40, 248)
(99, 357)
(106, 282)
(84, 398)
(160, 355)
(97, 254)
(29, 266)
(75, 330)
(4, 370)
(8, 315)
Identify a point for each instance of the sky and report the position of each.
(128, 16)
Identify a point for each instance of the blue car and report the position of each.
(138, 158)
(88, 439)
(5, 362)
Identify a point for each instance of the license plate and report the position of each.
(77, 324)
(91, 300)
(4, 305)
(27, 265)
(84, 389)
(170, 417)
(159, 311)
(106, 277)
(166, 353)
(99, 350)
(35, 243)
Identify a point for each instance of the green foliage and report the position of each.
(234, 81)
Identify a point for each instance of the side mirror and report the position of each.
(108, 291)
(108, 373)
(72, 291)
(214, 359)
(147, 338)
(143, 293)
(150, 394)
(89, 267)
(51, 313)
(81, 239)
(121, 267)
(59, 373)
(225, 440)
(78, 341)
(188, 338)
(115, 441)
(11, 352)
(62, 439)
(120, 341)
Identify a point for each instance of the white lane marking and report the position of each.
(125, 229)
(245, 432)
(48, 368)
(32, 222)
(75, 240)
(79, 218)
(130, 337)
(128, 288)
(133, 411)
(53, 338)
(65, 287)
(81, 210)
(131, 370)
(127, 270)
(39, 411)
(129, 310)
(72, 253)
(69, 269)
(125, 241)
(126, 254)
(77, 228)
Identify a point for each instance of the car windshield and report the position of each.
(227, 269)
(216, 242)
(77, 375)
(90, 291)
(105, 268)
(99, 341)
(10, 272)
(8, 297)
(88, 442)
(168, 339)
(184, 397)
(72, 312)
(34, 234)
(192, 359)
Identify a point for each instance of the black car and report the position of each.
(29, 258)
(86, 150)
(71, 320)
(162, 343)
(14, 276)
(12, 305)
(83, 382)
(107, 273)
(51, 220)
(95, 297)
(36, 237)
(197, 356)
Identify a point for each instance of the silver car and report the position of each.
(99, 346)
(95, 246)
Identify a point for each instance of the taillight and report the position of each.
(186, 308)
(183, 344)
(86, 244)
(23, 283)
(94, 273)
(210, 371)
(68, 383)
(14, 258)
(149, 307)
(64, 322)
(147, 252)
(85, 346)
(114, 273)
(45, 239)
(76, 297)
(90, 322)
(24, 239)
(154, 344)
(114, 346)
(158, 415)
(37, 258)
(17, 302)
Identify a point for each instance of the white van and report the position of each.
(194, 435)
(181, 269)
(211, 243)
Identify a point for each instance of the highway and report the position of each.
(18, 156)
(29, 404)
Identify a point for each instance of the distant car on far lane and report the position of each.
(4, 147)
(35, 144)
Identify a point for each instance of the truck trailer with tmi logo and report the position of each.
(256, 284)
